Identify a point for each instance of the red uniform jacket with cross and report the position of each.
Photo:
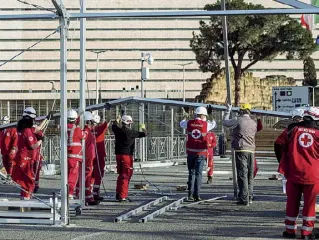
(75, 137)
(8, 140)
(301, 159)
(196, 137)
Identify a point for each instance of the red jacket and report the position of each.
(26, 138)
(300, 162)
(8, 140)
(99, 133)
(211, 141)
(196, 137)
(75, 137)
(90, 151)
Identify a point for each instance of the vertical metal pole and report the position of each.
(183, 83)
(172, 133)
(313, 96)
(8, 108)
(228, 85)
(63, 132)
(97, 78)
(82, 97)
(141, 115)
(50, 151)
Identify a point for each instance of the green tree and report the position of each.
(252, 39)
(309, 72)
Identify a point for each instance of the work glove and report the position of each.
(186, 115)
(142, 127)
(209, 109)
(41, 138)
(228, 107)
(107, 106)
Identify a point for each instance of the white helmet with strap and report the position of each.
(29, 112)
(96, 118)
(127, 119)
(312, 112)
(72, 115)
(201, 111)
(88, 116)
(5, 119)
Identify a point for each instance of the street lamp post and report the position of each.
(183, 65)
(97, 74)
(145, 57)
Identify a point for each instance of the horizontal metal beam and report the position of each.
(167, 14)
(296, 4)
(140, 209)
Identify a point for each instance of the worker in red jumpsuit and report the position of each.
(98, 131)
(301, 167)
(8, 145)
(90, 158)
(37, 161)
(27, 146)
(124, 151)
(279, 148)
(211, 141)
(75, 154)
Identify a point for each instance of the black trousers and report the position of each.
(245, 175)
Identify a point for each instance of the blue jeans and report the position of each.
(195, 164)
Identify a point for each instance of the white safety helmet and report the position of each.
(29, 112)
(127, 119)
(312, 112)
(88, 116)
(298, 112)
(201, 111)
(5, 119)
(96, 119)
(72, 115)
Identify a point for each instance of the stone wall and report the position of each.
(254, 90)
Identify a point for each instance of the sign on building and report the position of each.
(285, 99)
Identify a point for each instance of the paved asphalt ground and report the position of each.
(221, 219)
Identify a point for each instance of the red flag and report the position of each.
(307, 21)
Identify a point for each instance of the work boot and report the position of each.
(288, 235)
(123, 200)
(98, 198)
(92, 202)
(117, 196)
(209, 179)
(308, 237)
(190, 198)
(36, 189)
(197, 198)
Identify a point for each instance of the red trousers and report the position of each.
(98, 173)
(73, 173)
(88, 179)
(210, 165)
(294, 193)
(23, 175)
(125, 172)
(7, 161)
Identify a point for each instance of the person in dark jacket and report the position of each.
(124, 151)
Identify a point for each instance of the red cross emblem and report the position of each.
(305, 140)
(196, 134)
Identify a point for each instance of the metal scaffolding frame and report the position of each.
(64, 18)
